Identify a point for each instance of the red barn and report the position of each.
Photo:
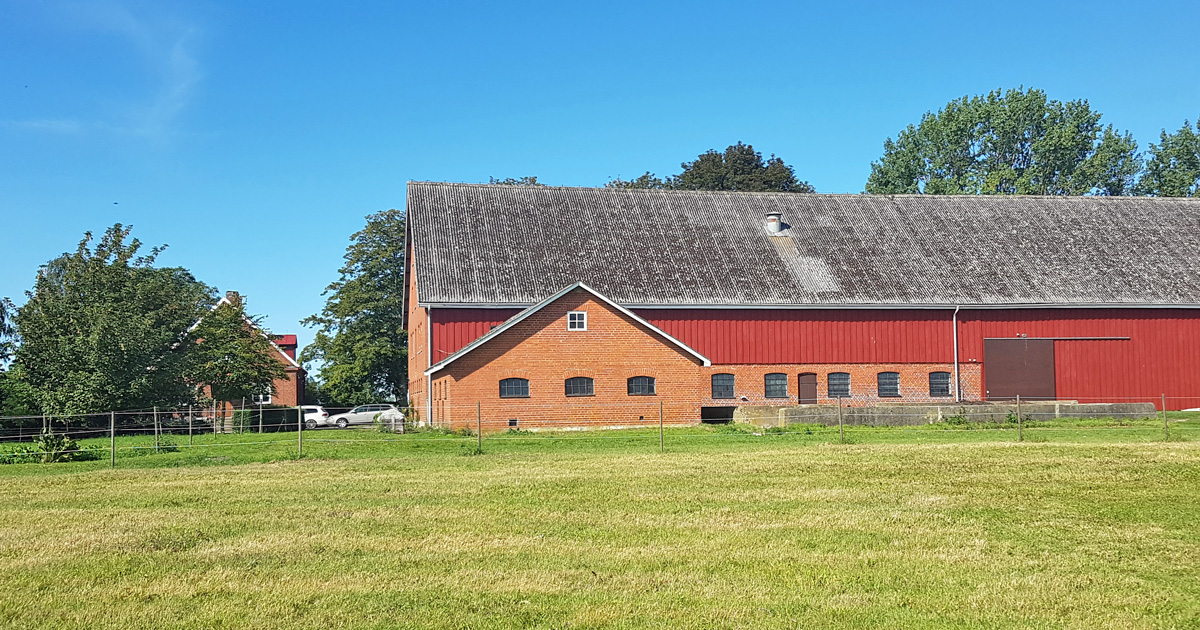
(597, 307)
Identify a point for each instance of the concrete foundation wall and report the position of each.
(901, 415)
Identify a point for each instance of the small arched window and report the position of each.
(580, 386)
(514, 388)
(641, 386)
(839, 385)
(775, 385)
(939, 384)
(889, 384)
(722, 386)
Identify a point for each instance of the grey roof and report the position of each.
(516, 245)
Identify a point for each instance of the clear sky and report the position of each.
(254, 137)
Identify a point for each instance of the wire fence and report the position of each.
(131, 433)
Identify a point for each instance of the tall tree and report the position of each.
(7, 330)
(102, 328)
(739, 167)
(1015, 142)
(231, 354)
(1173, 165)
(361, 343)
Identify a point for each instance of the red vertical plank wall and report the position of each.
(756, 336)
(454, 328)
(1162, 355)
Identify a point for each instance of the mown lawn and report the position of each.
(1086, 524)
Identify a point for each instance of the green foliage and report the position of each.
(361, 342)
(529, 180)
(102, 329)
(739, 167)
(232, 355)
(1173, 165)
(49, 448)
(7, 330)
(1015, 142)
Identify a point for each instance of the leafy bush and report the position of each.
(48, 448)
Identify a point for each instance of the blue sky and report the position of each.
(253, 138)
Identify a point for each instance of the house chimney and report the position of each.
(774, 222)
(234, 298)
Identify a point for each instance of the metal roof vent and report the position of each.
(774, 222)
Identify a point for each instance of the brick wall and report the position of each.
(540, 349)
(418, 348)
(749, 382)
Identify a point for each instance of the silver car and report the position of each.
(362, 414)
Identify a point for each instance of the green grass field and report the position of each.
(1085, 524)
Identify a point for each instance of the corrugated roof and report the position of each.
(517, 245)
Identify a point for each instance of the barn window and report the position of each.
(577, 320)
(722, 386)
(889, 384)
(839, 385)
(776, 385)
(580, 386)
(514, 388)
(641, 386)
(939, 384)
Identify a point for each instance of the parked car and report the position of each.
(315, 416)
(362, 414)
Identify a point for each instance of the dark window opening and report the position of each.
(716, 415)
(776, 385)
(939, 384)
(641, 386)
(514, 388)
(889, 384)
(722, 386)
(839, 385)
(512, 422)
(580, 386)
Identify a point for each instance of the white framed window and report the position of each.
(261, 399)
(577, 320)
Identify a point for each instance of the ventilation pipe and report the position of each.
(774, 222)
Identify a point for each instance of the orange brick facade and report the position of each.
(614, 348)
(542, 350)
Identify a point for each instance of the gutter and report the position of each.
(957, 386)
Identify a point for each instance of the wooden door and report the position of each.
(808, 389)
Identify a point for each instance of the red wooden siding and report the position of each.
(738, 336)
(454, 328)
(1161, 357)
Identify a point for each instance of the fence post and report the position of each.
(43, 423)
(479, 423)
(660, 426)
(112, 439)
(1166, 429)
(841, 432)
(260, 417)
(156, 429)
(1020, 426)
(299, 432)
(189, 424)
(214, 417)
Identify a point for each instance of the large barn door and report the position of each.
(1018, 367)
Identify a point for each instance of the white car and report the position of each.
(315, 416)
(362, 414)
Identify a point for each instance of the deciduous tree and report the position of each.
(102, 328)
(1015, 142)
(1173, 165)
(739, 167)
(361, 343)
(231, 354)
